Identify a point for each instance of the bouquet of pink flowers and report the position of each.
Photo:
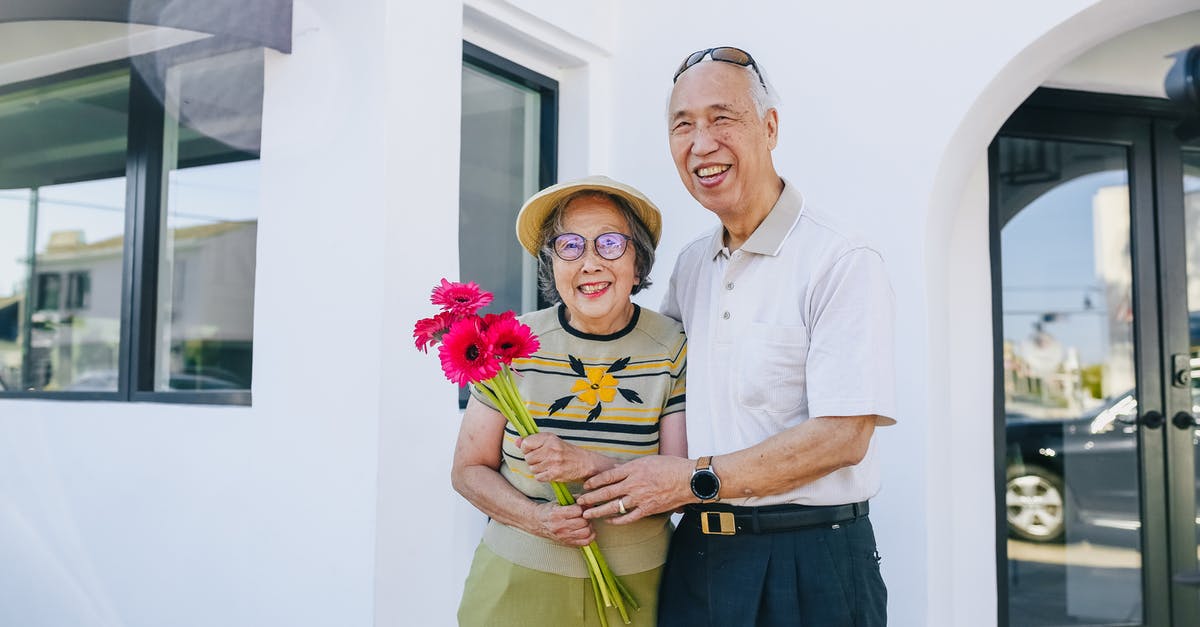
(479, 350)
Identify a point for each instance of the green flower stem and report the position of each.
(628, 596)
(522, 412)
(505, 409)
(611, 582)
(618, 586)
(596, 598)
(510, 399)
(506, 390)
(594, 567)
(606, 587)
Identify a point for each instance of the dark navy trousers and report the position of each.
(826, 576)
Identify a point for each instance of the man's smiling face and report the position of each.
(720, 144)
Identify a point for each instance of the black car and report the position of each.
(1078, 477)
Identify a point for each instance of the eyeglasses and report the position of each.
(571, 246)
(728, 54)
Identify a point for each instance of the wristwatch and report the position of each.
(706, 485)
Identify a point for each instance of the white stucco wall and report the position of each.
(328, 502)
(119, 514)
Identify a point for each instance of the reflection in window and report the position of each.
(1068, 282)
(62, 218)
(48, 288)
(1191, 216)
(1191, 208)
(207, 244)
(79, 286)
(505, 155)
(1072, 497)
(499, 170)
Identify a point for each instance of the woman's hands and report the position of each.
(550, 458)
(564, 524)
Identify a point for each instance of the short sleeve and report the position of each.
(850, 369)
(677, 397)
(670, 304)
(482, 398)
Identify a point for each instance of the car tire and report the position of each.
(1035, 504)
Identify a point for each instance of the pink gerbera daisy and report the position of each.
(462, 299)
(511, 340)
(466, 354)
(429, 331)
(491, 319)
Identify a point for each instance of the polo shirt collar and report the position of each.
(768, 238)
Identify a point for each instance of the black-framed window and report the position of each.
(508, 153)
(128, 219)
(79, 287)
(49, 291)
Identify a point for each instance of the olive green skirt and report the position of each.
(499, 593)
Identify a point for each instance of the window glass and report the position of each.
(1191, 207)
(1072, 490)
(62, 220)
(205, 303)
(500, 162)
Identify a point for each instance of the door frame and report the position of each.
(1145, 126)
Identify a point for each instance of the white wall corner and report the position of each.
(415, 583)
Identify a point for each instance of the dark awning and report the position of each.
(263, 22)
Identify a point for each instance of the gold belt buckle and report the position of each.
(725, 524)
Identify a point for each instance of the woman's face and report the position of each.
(596, 290)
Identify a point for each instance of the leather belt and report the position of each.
(730, 520)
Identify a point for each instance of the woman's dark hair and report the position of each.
(643, 243)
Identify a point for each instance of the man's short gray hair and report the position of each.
(762, 92)
(643, 243)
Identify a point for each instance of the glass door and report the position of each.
(1097, 266)
(1072, 488)
(1179, 215)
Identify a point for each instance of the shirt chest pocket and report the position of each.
(772, 363)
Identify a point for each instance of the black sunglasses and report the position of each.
(728, 54)
(571, 246)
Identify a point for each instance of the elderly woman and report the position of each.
(606, 386)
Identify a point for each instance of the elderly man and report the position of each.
(789, 323)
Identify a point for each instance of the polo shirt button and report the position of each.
(729, 285)
(725, 315)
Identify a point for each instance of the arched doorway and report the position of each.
(1095, 205)
(958, 269)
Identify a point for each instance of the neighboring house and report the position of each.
(76, 329)
(236, 210)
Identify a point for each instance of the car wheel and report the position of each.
(1036, 504)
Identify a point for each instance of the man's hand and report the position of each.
(550, 458)
(564, 524)
(645, 486)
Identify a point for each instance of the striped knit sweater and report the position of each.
(604, 393)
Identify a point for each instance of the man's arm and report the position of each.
(849, 370)
(788, 460)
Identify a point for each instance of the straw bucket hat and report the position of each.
(535, 211)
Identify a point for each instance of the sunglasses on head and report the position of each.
(728, 54)
(571, 246)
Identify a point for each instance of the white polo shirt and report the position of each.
(797, 323)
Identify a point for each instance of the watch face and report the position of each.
(705, 485)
